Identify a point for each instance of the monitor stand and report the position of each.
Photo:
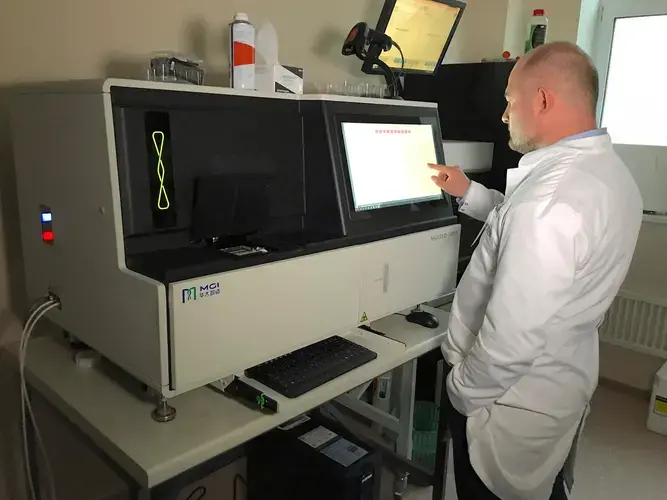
(423, 318)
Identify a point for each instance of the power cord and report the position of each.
(395, 78)
(200, 491)
(402, 73)
(37, 311)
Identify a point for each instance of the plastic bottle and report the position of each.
(241, 53)
(537, 30)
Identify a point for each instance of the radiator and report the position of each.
(637, 323)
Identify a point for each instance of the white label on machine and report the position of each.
(317, 437)
(344, 452)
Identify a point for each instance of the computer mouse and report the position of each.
(423, 318)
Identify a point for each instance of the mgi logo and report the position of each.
(189, 294)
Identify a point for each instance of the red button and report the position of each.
(47, 236)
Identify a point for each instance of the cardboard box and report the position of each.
(279, 78)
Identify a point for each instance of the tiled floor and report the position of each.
(619, 458)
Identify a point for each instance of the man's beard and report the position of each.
(521, 144)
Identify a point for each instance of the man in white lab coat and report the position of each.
(555, 248)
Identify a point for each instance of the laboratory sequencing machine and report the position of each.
(192, 233)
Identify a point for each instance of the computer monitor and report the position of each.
(423, 29)
(388, 164)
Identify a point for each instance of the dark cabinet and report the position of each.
(471, 102)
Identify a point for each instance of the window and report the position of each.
(635, 105)
(629, 54)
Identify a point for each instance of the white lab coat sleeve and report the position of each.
(479, 201)
(464, 319)
(536, 266)
(457, 342)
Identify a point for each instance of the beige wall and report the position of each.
(481, 32)
(563, 18)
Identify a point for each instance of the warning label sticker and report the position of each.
(660, 407)
(364, 317)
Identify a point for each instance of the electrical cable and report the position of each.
(38, 303)
(26, 405)
(402, 59)
(402, 73)
(38, 310)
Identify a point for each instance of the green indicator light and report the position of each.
(162, 199)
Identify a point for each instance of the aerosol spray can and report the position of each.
(241, 53)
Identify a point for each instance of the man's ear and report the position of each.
(544, 100)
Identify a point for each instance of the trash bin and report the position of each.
(425, 433)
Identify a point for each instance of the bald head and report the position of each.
(565, 67)
(551, 94)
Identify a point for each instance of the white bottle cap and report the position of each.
(240, 16)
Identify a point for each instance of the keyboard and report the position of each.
(301, 371)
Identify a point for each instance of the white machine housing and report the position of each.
(66, 158)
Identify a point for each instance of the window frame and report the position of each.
(610, 10)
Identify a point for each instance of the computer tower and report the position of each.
(312, 457)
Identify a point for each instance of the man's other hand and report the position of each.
(451, 180)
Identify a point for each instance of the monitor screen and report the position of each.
(422, 28)
(388, 164)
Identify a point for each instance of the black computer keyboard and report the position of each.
(301, 371)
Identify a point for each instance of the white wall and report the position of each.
(648, 272)
(588, 18)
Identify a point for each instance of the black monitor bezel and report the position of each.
(366, 221)
(383, 21)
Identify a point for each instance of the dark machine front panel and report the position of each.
(183, 148)
(203, 174)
